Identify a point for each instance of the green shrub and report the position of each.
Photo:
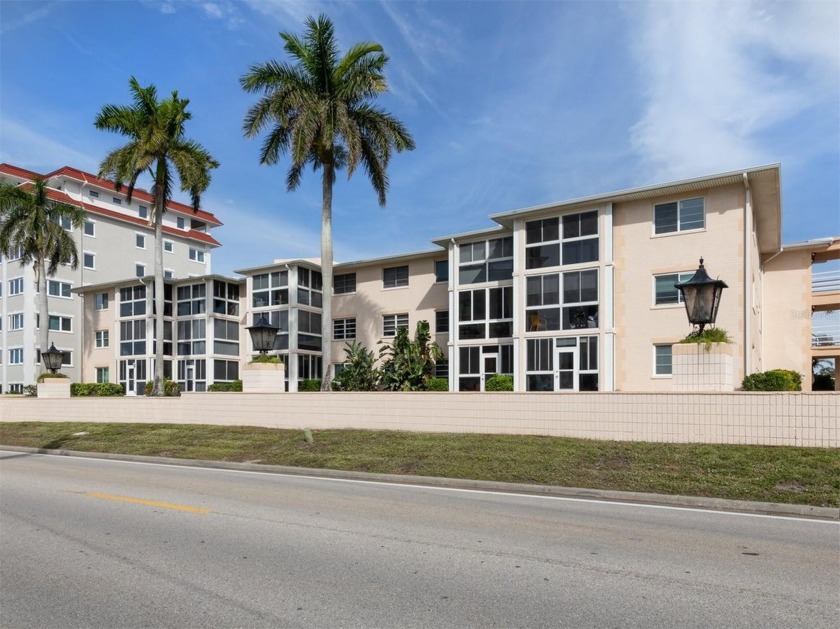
(48, 375)
(437, 384)
(170, 388)
(265, 358)
(773, 380)
(30, 390)
(96, 389)
(499, 382)
(235, 386)
(709, 335)
(309, 385)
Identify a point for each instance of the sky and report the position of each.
(511, 105)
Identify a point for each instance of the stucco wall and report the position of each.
(802, 419)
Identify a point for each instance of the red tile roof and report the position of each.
(62, 197)
(80, 175)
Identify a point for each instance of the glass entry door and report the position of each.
(489, 367)
(566, 369)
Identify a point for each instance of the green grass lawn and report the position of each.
(809, 476)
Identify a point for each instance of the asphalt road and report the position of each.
(95, 543)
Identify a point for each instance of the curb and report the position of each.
(700, 503)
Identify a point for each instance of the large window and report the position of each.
(441, 321)
(309, 330)
(192, 337)
(310, 284)
(225, 298)
(485, 313)
(270, 289)
(59, 289)
(543, 354)
(225, 370)
(679, 216)
(344, 329)
(344, 283)
(572, 239)
(575, 308)
(662, 360)
(133, 337)
(226, 337)
(390, 323)
(473, 363)
(395, 276)
(664, 291)
(192, 300)
(486, 261)
(132, 301)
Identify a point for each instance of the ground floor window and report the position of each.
(479, 362)
(662, 360)
(192, 374)
(562, 364)
(309, 367)
(225, 370)
(133, 376)
(102, 375)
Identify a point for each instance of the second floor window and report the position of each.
(344, 283)
(679, 216)
(101, 300)
(59, 289)
(395, 276)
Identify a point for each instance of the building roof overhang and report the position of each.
(148, 279)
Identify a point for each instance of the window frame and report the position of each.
(678, 227)
(92, 265)
(392, 322)
(396, 280)
(680, 276)
(656, 360)
(344, 329)
(341, 283)
(101, 339)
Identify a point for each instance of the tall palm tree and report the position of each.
(31, 226)
(320, 110)
(157, 146)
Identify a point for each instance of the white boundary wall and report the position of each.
(800, 419)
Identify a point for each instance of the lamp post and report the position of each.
(701, 296)
(52, 358)
(262, 334)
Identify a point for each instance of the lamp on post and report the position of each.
(262, 334)
(701, 296)
(52, 358)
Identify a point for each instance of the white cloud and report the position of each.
(37, 151)
(213, 10)
(719, 74)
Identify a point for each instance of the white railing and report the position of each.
(825, 329)
(825, 281)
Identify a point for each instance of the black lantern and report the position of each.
(701, 296)
(262, 334)
(52, 358)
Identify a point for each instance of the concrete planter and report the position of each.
(703, 367)
(264, 378)
(54, 388)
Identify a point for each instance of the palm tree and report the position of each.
(320, 111)
(31, 227)
(156, 146)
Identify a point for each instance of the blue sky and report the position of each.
(512, 104)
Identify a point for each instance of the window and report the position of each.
(226, 337)
(390, 323)
(551, 242)
(679, 216)
(168, 246)
(16, 286)
(61, 324)
(140, 241)
(101, 300)
(59, 289)
(94, 194)
(664, 291)
(132, 301)
(192, 299)
(133, 337)
(142, 211)
(395, 277)
(225, 298)
(579, 305)
(344, 329)
(101, 338)
(16, 321)
(89, 260)
(140, 270)
(345, 283)
(16, 356)
(266, 289)
(179, 220)
(225, 370)
(192, 337)
(168, 274)
(485, 313)
(441, 321)
(197, 255)
(116, 200)
(102, 375)
(662, 360)
(90, 228)
(64, 222)
(310, 284)
(441, 270)
(309, 328)
(490, 260)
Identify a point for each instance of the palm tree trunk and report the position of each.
(327, 278)
(43, 309)
(158, 388)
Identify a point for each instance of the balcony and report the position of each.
(825, 321)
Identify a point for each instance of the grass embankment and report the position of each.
(773, 474)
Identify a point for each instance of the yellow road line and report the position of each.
(148, 503)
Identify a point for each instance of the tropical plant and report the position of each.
(31, 227)
(320, 110)
(359, 372)
(157, 147)
(407, 364)
(437, 384)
